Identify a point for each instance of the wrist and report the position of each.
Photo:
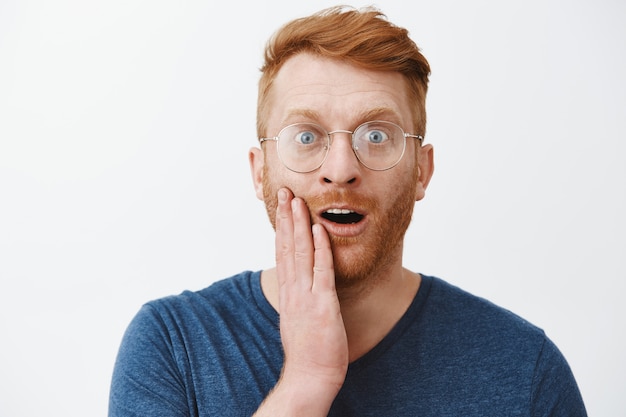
(299, 396)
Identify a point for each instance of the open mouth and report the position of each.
(342, 216)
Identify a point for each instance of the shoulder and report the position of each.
(470, 328)
(477, 340)
(453, 305)
(173, 341)
(171, 325)
(228, 302)
(224, 293)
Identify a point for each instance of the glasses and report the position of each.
(379, 145)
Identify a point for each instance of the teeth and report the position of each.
(339, 211)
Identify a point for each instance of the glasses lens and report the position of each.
(302, 147)
(379, 145)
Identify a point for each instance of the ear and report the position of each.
(426, 167)
(257, 161)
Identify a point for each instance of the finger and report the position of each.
(303, 243)
(323, 269)
(285, 268)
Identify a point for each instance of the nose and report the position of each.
(341, 166)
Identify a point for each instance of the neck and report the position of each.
(370, 310)
(371, 315)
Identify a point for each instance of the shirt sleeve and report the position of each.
(146, 379)
(554, 389)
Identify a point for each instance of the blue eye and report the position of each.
(305, 138)
(377, 136)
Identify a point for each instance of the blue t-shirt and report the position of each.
(217, 352)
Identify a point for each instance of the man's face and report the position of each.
(377, 204)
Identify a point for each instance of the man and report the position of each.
(339, 327)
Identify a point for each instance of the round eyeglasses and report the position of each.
(379, 145)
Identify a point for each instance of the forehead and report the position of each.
(335, 94)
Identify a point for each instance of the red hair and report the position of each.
(364, 38)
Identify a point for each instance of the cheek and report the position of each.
(269, 181)
(271, 167)
(270, 196)
(276, 176)
(412, 173)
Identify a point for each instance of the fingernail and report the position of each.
(282, 195)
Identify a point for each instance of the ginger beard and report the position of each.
(359, 260)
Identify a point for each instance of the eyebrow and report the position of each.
(301, 114)
(376, 113)
(381, 113)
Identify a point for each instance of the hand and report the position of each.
(311, 327)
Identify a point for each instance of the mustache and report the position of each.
(333, 197)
